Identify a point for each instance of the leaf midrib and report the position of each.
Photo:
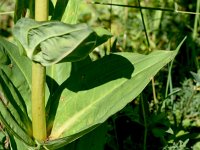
(73, 119)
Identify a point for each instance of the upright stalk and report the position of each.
(145, 123)
(195, 31)
(38, 82)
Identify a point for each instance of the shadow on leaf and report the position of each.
(86, 75)
(99, 72)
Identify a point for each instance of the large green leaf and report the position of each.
(14, 102)
(18, 69)
(10, 53)
(15, 85)
(13, 112)
(98, 90)
(52, 42)
(95, 140)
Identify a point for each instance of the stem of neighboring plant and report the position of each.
(145, 123)
(154, 94)
(38, 82)
(109, 45)
(126, 10)
(195, 31)
(116, 136)
(169, 85)
(145, 29)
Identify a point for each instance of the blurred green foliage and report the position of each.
(6, 17)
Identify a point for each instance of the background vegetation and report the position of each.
(167, 114)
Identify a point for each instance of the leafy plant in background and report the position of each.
(177, 146)
(80, 93)
(184, 104)
(182, 109)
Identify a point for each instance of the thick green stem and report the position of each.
(38, 102)
(38, 82)
(41, 10)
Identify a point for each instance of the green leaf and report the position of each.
(71, 12)
(58, 143)
(13, 112)
(10, 53)
(196, 76)
(13, 117)
(53, 42)
(20, 9)
(12, 98)
(60, 72)
(18, 144)
(59, 9)
(13, 127)
(103, 35)
(98, 90)
(15, 84)
(94, 140)
(4, 59)
(18, 69)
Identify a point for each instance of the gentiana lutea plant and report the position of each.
(80, 93)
